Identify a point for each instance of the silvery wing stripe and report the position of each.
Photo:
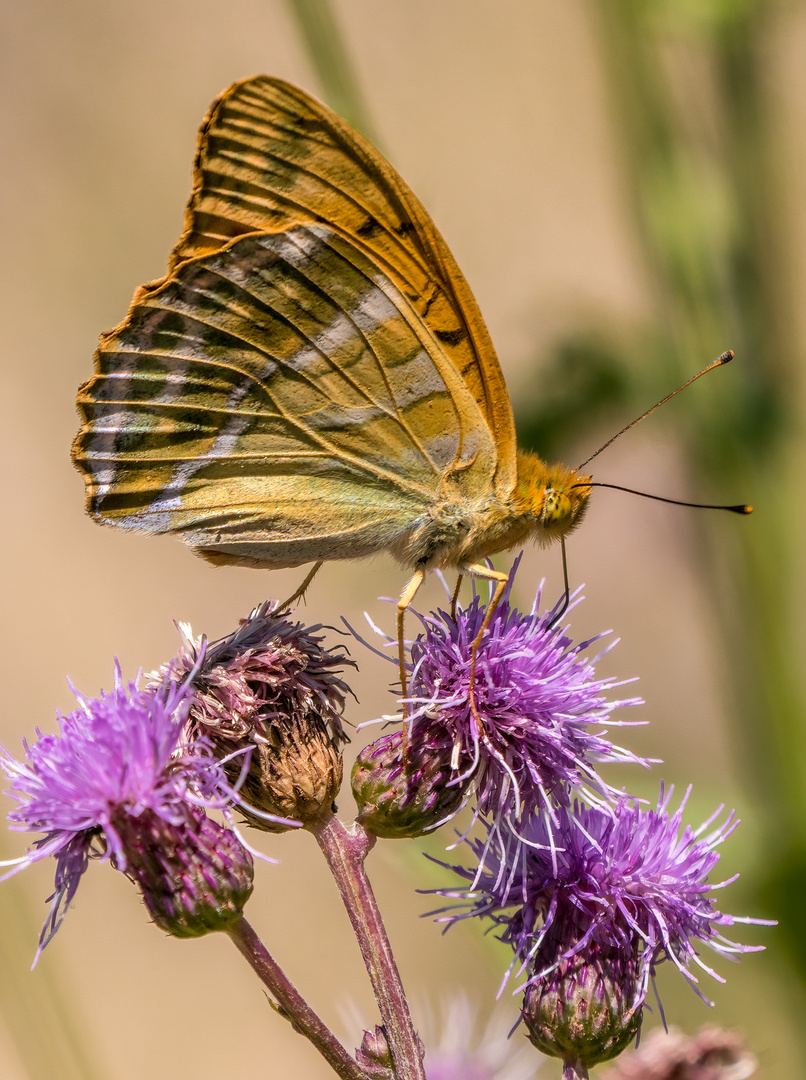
(223, 446)
(304, 252)
(103, 443)
(169, 501)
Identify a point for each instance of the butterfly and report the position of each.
(312, 378)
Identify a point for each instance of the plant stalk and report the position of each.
(345, 849)
(291, 1005)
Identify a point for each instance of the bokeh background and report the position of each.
(622, 184)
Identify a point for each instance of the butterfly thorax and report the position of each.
(547, 502)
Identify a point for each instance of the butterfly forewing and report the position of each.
(270, 157)
(277, 401)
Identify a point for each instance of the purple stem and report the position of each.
(345, 849)
(291, 1005)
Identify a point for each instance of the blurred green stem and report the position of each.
(328, 54)
(701, 163)
(38, 1009)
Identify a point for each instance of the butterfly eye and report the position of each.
(556, 508)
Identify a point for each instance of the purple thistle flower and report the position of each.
(117, 777)
(632, 881)
(542, 710)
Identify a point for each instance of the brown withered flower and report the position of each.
(273, 690)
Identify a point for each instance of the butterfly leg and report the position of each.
(455, 597)
(286, 604)
(406, 598)
(486, 573)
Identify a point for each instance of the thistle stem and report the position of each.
(290, 1004)
(572, 1070)
(345, 849)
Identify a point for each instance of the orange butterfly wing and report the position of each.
(276, 402)
(312, 378)
(271, 156)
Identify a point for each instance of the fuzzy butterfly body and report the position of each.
(312, 378)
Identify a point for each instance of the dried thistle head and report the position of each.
(272, 690)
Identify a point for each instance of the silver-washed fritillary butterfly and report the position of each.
(312, 378)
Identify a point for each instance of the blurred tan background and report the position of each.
(498, 117)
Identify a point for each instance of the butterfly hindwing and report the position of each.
(278, 400)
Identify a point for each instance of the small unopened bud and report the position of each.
(195, 877)
(374, 1055)
(584, 1010)
(404, 793)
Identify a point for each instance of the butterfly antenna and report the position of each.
(725, 358)
(740, 508)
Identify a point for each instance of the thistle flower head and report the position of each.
(632, 881)
(541, 709)
(117, 777)
(271, 689)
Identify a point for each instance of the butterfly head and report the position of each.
(554, 496)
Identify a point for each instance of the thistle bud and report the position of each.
(374, 1055)
(404, 794)
(584, 1010)
(271, 689)
(195, 877)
